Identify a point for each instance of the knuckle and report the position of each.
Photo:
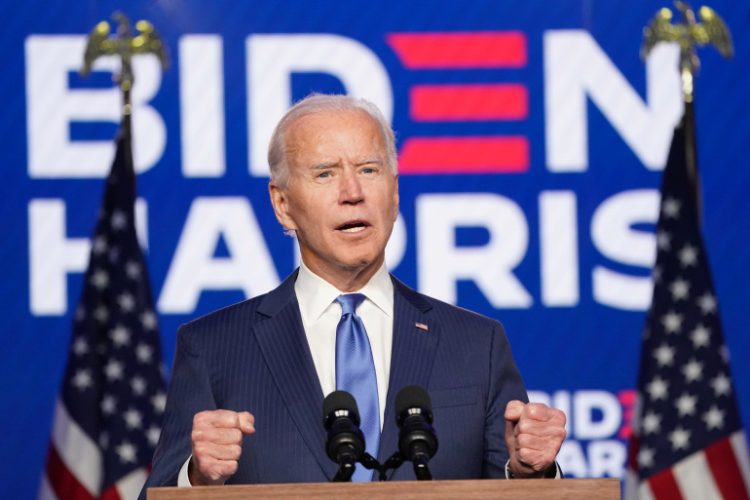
(235, 435)
(522, 441)
(230, 468)
(524, 427)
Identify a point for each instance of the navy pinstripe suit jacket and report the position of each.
(253, 356)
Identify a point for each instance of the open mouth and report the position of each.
(353, 226)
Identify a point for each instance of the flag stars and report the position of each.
(113, 370)
(672, 322)
(663, 240)
(120, 335)
(133, 419)
(126, 301)
(657, 388)
(99, 245)
(82, 380)
(664, 355)
(679, 289)
(670, 207)
(119, 220)
(104, 440)
(707, 303)
(109, 404)
(133, 270)
(688, 256)
(114, 255)
(144, 353)
(721, 385)
(148, 320)
(80, 346)
(693, 371)
(685, 404)
(159, 401)
(152, 435)
(680, 439)
(126, 452)
(138, 384)
(100, 279)
(656, 274)
(651, 423)
(101, 314)
(724, 353)
(646, 457)
(700, 336)
(714, 418)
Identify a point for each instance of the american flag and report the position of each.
(687, 440)
(108, 414)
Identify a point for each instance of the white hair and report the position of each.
(316, 103)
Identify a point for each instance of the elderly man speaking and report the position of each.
(248, 383)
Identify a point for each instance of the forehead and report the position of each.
(327, 131)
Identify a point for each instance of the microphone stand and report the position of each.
(347, 466)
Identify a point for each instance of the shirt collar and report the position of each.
(314, 294)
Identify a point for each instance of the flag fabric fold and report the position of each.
(688, 440)
(108, 413)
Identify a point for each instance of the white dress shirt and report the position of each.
(321, 314)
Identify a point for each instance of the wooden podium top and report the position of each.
(538, 489)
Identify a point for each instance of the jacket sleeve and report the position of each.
(189, 393)
(505, 385)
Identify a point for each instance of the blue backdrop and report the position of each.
(543, 131)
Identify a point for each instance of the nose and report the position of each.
(350, 188)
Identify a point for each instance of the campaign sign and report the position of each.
(531, 140)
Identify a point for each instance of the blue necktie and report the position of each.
(355, 373)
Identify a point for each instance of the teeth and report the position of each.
(354, 229)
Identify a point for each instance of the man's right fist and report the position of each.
(217, 445)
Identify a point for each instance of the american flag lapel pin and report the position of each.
(421, 326)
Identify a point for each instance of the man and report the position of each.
(244, 405)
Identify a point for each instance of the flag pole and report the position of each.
(125, 46)
(711, 30)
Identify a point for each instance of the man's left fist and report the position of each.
(534, 433)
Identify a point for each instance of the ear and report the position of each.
(396, 198)
(280, 203)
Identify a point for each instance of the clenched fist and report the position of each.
(533, 433)
(217, 445)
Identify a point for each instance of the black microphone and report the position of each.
(346, 443)
(417, 441)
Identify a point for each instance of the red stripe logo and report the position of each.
(460, 155)
(470, 102)
(493, 49)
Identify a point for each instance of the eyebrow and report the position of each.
(325, 165)
(378, 161)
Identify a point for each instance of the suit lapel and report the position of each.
(282, 340)
(415, 341)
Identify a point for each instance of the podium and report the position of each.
(537, 489)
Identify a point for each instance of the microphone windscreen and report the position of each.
(339, 400)
(412, 396)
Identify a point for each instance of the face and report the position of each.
(341, 197)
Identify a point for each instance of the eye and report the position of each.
(325, 174)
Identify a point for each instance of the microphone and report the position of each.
(346, 443)
(417, 441)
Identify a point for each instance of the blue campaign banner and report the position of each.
(531, 140)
